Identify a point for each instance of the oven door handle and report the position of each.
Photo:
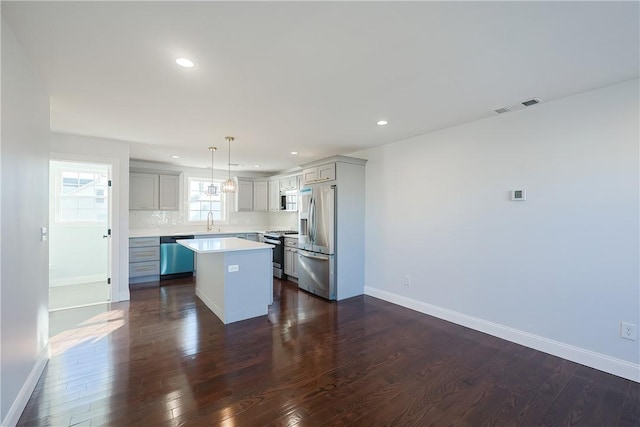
(273, 242)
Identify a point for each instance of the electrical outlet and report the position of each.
(407, 280)
(628, 331)
(234, 268)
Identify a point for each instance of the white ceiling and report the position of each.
(309, 76)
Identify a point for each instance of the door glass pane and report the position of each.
(79, 218)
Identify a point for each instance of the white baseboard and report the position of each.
(20, 402)
(122, 296)
(78, 280)
(580, 355)
(218, 311)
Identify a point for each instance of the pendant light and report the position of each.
(212, 190)
(229, 186)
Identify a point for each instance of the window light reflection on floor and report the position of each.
(92, 330)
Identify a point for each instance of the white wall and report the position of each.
(283, 220)
(74, 147)
(24, 317)
(557, 272)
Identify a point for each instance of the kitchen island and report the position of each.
(233, 276)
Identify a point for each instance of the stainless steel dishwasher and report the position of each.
(175, 260)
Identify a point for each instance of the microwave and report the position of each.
(289, 201)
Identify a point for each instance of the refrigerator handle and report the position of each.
(315, 222)
(311, 219)
(314, 256)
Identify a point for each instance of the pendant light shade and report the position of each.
(212, 190)
(229, 186)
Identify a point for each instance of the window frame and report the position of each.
(224, 209)
(58, 192)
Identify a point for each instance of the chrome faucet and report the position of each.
(210, 221)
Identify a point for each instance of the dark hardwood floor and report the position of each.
(164, 359)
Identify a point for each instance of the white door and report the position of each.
(79, 234)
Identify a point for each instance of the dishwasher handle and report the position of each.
(172, 239)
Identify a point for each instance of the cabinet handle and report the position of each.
(145, 269)
(320, 179)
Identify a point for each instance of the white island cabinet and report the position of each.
(234, 277)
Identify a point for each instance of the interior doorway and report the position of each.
(79, 233)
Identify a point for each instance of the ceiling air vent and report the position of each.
(530, 102)
(502, 110)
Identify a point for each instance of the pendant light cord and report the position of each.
(211, 192)
(229, 185)
(229, 162)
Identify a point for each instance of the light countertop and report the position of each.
(227, 244)
(154, 232)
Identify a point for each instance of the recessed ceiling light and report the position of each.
(257, 166)
(184, 62)
(294, 152)
(382, 122)
(175, 157)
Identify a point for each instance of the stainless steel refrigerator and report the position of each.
(317, 240)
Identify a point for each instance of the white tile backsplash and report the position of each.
(155, 219)
(139, 220)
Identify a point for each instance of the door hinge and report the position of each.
(109, 183)
(108, 280)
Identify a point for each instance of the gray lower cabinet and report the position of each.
(144, 259)
(144, 255)
(291, 257)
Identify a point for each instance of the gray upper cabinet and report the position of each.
(144, 191)
(322, 173)
(289, 183)
(244, 195)
(153, 192)
(251, 196)
(260, 196)
(274, 195)
(169, 193)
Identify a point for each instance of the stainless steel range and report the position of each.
(276, 238)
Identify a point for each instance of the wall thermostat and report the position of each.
(518, 195)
